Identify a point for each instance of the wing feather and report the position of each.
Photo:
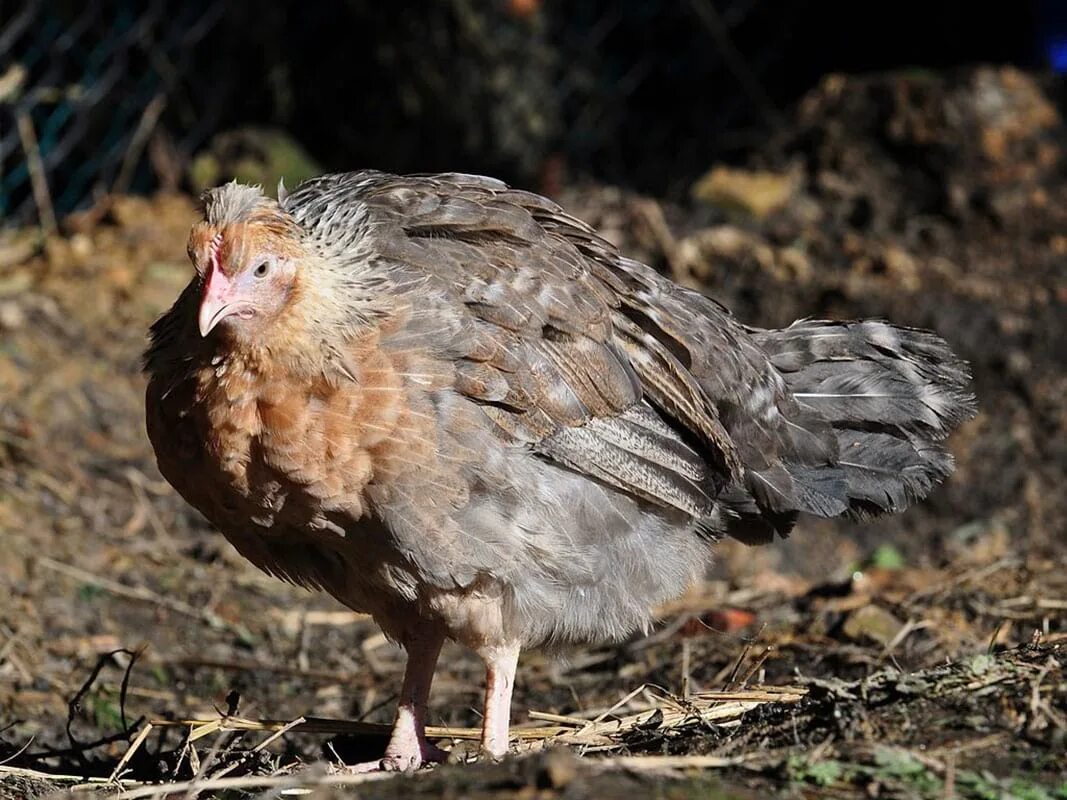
(572, 349)
(546, 344)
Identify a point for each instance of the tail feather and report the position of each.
(873, 372)
(883, 396)
(886, 473)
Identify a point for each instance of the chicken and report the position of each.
(451, 405)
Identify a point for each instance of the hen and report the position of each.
(452, 405)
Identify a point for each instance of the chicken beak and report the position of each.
(216, 302)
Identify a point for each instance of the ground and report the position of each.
(921, 656)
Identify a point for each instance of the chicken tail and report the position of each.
(890, 395)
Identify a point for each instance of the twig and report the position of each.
(950, 751)
(138, 790)
(11, 636)
(134, 746)
(7, 653)
(906, 630)
(23, 772)
(992, 646)
(686, 666)
(562, 719)
(1051, 604)
(133, 592)
(206, 727)
(74, 706)
(962, 578)
(145, 126)
(654, 763)
(145, 511)
(701, 708)
(18, 752)
(755, 667)
(731, 680)
(950, 779)
(124, 687)
(652, 214)
(1037, 704)
(38, 181)
(278, 734)
(252, 782)
(196, 785)
(619, 704)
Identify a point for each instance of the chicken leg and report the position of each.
(500, 663)
(408, 748)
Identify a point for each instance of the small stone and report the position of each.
(464, 752)
(559, 769)
(81, 246)
(872, 622)
(12, 317)
(753, 192)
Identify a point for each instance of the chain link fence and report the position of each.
(118, 95)
(82, 89)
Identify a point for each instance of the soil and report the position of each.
(927, 651)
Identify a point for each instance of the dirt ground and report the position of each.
(920, 656)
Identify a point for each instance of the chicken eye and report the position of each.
(261, 269)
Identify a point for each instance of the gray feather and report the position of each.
(890, 394)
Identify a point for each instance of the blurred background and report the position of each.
(794, 159)
(824, 159)
(115, 95)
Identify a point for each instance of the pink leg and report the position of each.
(500, 663)
(408, 749)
